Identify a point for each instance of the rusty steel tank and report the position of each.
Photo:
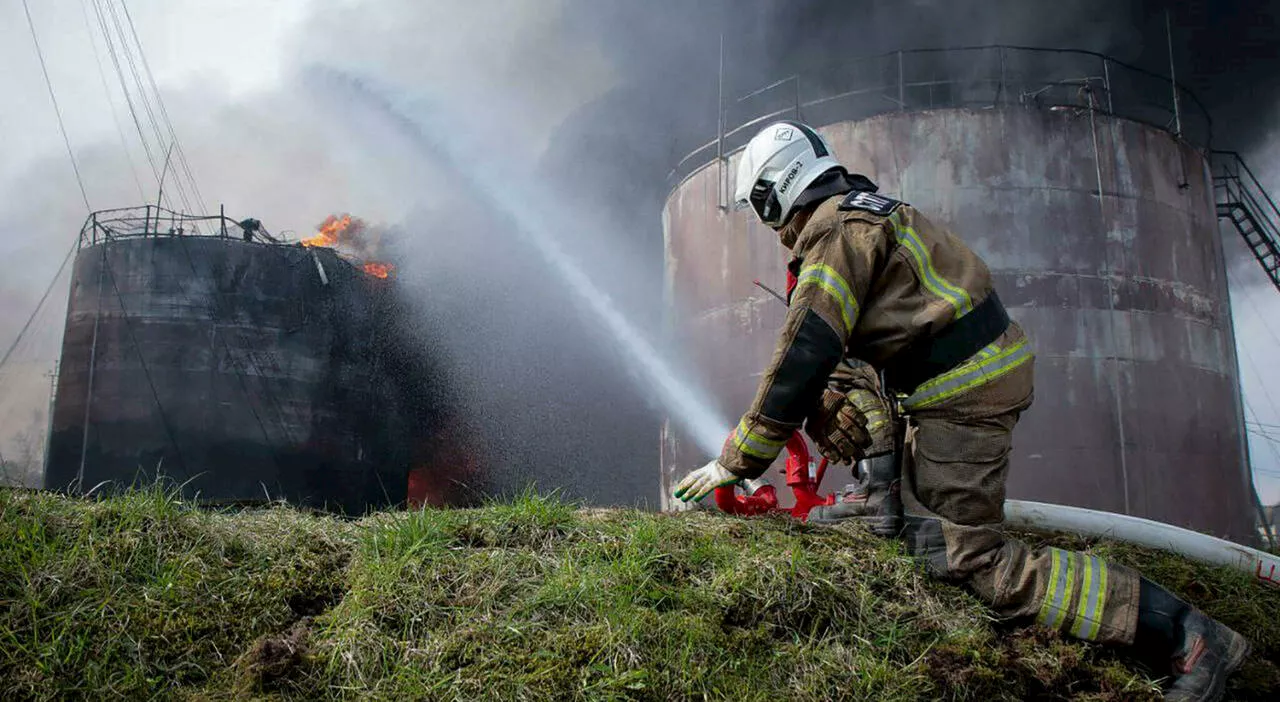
(238, 368)
(1099, 226)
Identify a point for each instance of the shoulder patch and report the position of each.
(870, 202)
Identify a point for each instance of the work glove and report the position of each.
(702, 481)
(838, 428)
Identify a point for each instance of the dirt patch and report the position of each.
(314, 603)
(273, 660)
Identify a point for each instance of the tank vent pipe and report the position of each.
(319, 267)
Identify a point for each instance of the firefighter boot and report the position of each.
(1203, 652)
(874, 500)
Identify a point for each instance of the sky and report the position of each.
(267, 144)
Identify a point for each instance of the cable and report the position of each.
(164, 112)
(1266, 394)
(56, 110)
(35, 344)
(236, 367)
(1248, 296)
(272, 400)
(48, 289)
(1249, 408)
(124, 86)
(23, 426)
(24, 380)
(146, 101)
(236, 363)
(1268, 437)
(1260, 430)
(129, 99)
(124, 316)
(182, 193)
(1271, 442)
(102, 76)
(153, 123)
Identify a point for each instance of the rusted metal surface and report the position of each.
(237, 370)
(1102, 237)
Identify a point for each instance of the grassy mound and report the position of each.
(142, 596)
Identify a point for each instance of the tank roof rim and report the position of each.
(695, 170)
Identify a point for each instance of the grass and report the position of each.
(142, 596)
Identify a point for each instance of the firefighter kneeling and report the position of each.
(877, 287)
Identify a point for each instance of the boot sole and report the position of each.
(886, 527)
(1236, 653)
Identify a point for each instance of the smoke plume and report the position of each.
(594, 100)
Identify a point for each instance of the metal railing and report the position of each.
(154, 221)
(976, 77)
(1240, 198)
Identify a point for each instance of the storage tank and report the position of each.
(1100, 230)
(241, 369)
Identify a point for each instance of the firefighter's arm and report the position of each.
(824, 310)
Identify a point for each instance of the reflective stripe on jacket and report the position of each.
(867, 285)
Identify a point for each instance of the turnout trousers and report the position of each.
(953, 489)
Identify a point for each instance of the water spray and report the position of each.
(521, 205)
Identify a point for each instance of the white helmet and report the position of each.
(778, 164)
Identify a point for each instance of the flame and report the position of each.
(379, 270)
(329, 231)
(356, 239)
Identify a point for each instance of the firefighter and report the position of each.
(878, 287)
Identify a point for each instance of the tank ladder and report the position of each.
(1242, 200)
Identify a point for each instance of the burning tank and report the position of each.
(242, 368)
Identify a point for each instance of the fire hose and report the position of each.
(804, 477)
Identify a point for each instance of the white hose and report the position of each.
(1040, 516)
